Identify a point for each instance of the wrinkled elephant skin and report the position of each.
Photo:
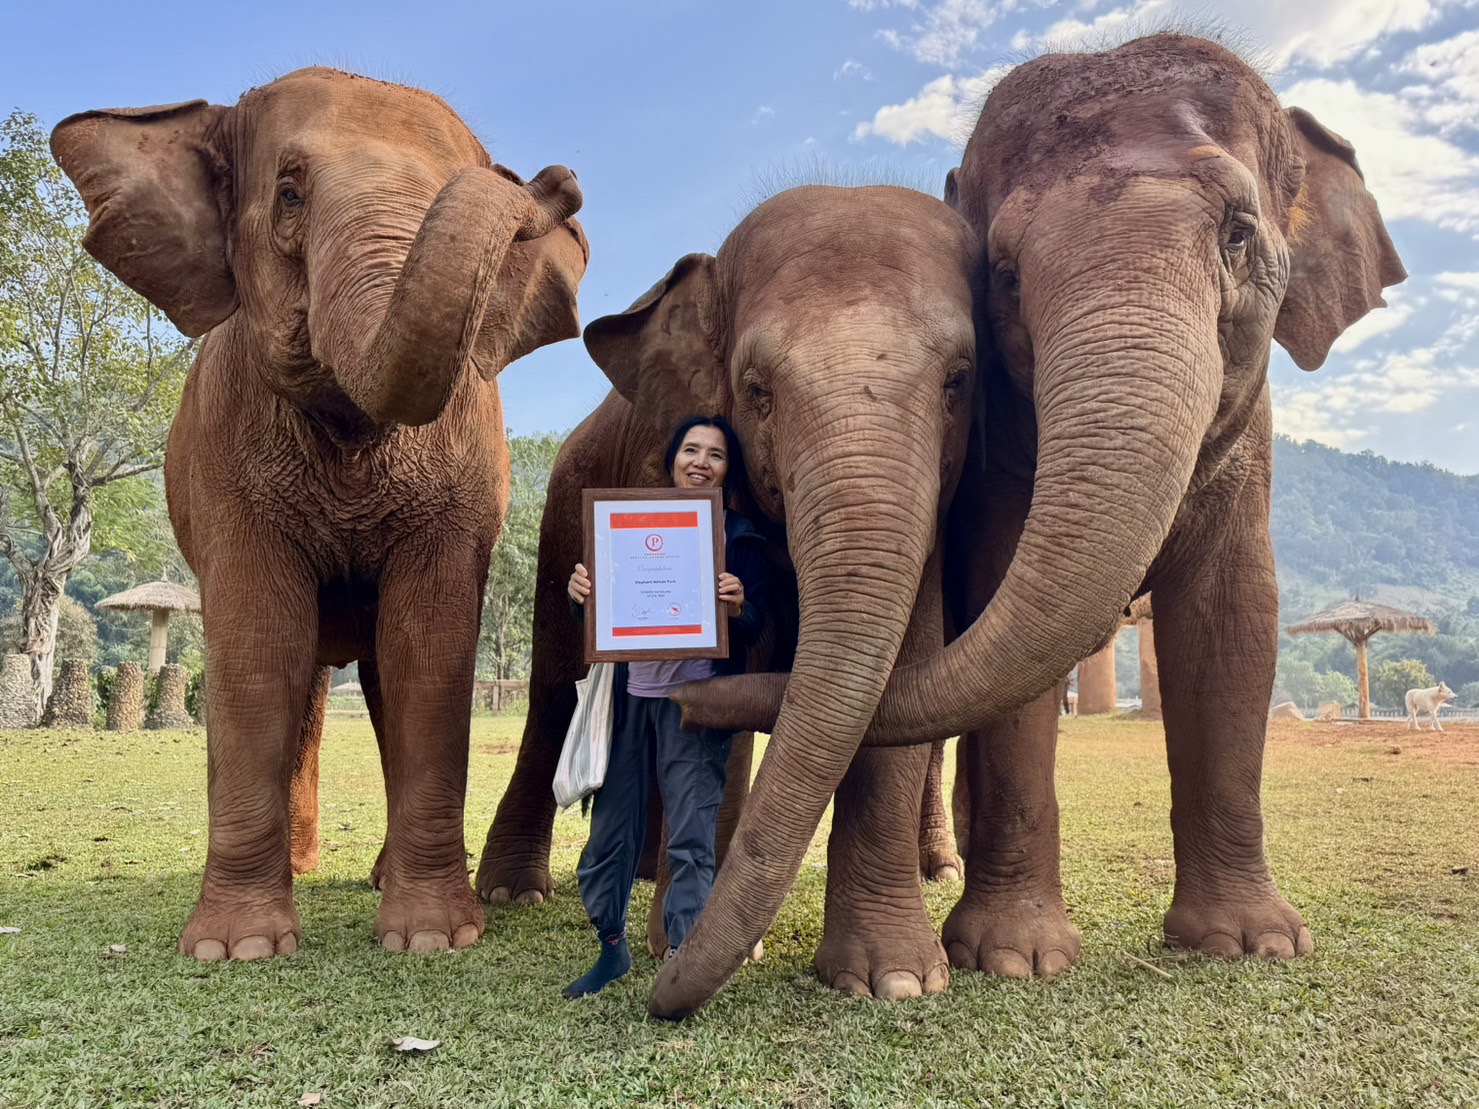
(336, 472)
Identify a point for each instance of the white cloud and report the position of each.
(1412, 175)
(945, 108)
(851, 68)
(1321, 32)
(1449, 96)
(1462, 288)
(762, 113)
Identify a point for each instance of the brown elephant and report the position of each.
(1152, 219)
(834, 328)
(337, 473)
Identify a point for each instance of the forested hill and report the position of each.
(1351, 524)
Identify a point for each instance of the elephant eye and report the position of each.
(289, 195)
(1007, 280)
(761, 400)
(1238, 235)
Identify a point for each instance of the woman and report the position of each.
(647, 738)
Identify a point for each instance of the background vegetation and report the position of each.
(102, 841)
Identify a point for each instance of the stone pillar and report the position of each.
(126, 702)
(1150, 672)
(169, 704)
(71, 697)
(17, 693)
(1096, 685)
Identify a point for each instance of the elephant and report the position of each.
(1125, 446)
(834, 328)
(336, 474)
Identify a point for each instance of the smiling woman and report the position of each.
(689, 766)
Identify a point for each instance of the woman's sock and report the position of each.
(614, 961)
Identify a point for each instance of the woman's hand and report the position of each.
(731, 593)
(580, 585)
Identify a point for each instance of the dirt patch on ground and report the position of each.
(1456, 745)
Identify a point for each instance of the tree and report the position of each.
(507, 636)
(90, 376)
(1392, 680)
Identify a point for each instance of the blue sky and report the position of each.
(673, 113)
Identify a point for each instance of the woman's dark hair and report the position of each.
(737, 481)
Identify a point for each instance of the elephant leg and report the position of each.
(1217, 638)
(303, 793)
(1011, 920)
(515, 860)
(261, 636)
(960, 801)
(425, 649)
(369, 679)
(736, 789)
(938, 861)
(877, 939)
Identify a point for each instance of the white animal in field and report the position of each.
(1428, 701)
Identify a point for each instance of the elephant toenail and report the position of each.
(849, 983)
(897, 985)
(498, 895)
(210, 951)
(961, 956)
(1053, 963)
(253, 947)
(429, 940)
(393, 941)
(530, 897)
(465, 936)
(1006, 963)
(287, 945)
(938, 979)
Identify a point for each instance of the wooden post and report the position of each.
(1096, 685)
(1150, 672)
(1363, 687)
(158, 639)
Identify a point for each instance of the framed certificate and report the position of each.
(654, 556)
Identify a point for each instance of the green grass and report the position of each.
(102, 839)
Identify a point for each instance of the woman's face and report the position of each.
(702, 461)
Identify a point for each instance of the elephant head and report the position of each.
(1152, 219)
(834, 328)
(357, 231)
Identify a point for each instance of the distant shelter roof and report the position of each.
(154, 595)
(1360, 620)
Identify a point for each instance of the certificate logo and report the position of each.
(654, 543)
(675, 610)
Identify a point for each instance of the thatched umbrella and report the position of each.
(159, 598)
(1358, 621)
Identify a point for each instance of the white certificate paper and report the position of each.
(654, 583)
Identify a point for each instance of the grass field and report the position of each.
(102, 839)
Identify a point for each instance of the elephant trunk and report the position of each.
(398, 343)
(1124, 397)
(854, 612)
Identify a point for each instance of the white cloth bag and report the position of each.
(582, 765)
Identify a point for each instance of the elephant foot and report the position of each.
(1013, 937)
(1234, 924)
(377, 872)
(429, 916)
(514, 876)
(241, 928)
(938, 862)
(884, 962)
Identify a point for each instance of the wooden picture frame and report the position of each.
(659, 599)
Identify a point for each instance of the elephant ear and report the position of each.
(662, 353)
(533, 300)
(156, 188)
(1341, 256)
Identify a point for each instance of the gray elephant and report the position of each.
(337, 473)
(829, 332)
(1152, 219)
